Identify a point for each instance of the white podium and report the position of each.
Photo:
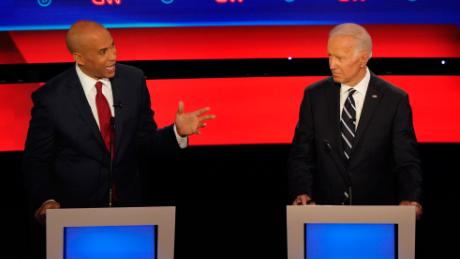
(153, 225)
(315, 231)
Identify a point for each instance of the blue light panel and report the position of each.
(114, 242)
(350, 241)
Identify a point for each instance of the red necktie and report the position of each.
(104, 114)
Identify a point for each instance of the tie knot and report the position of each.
(99, 86)
(351, 92)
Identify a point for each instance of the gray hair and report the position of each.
(358, 32)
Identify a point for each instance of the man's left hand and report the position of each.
(188, 123)
(418, 207)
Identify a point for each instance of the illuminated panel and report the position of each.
(351, 240)
(15, 110)
(249, 110)
(235, 43)
(115, 242)
(260, 110)
(59, 14)
(435, 104)
(265, 110)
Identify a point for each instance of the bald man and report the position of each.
(90, 125)
(354, 142)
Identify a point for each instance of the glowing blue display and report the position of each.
(59, 14)
(114, 242)
(350, 241)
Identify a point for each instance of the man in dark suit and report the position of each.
(354, 142)
(90, 126)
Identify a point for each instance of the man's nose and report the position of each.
(113, 54)
(332, 64)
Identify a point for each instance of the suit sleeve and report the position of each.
(302, 155)
(151, 139)
(39, 153)
(406, 153)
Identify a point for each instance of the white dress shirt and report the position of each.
(358, 96)
(89, 87)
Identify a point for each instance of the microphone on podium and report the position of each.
(348, 195)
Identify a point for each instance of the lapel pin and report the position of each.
(374, 96)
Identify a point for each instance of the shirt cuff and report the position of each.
(182, 141)
(49, 200)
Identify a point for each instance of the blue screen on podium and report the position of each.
(351, 241)
(115, 242)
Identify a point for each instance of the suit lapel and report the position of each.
(78, 97)
(117, 91)
(333, 114)
(333, 97)
(371, 101)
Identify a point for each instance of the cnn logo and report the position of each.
(229, 1)
(106, 2)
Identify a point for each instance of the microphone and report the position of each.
(112, 155)
(118, 105)
(327, 145)
(342, 170)
(112, 125)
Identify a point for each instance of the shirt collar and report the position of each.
(361, 87)
(88, 82)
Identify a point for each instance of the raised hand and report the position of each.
(188, 123)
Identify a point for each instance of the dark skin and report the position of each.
(94, 51)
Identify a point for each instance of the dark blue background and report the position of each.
(59, 14)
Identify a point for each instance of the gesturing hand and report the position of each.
(188, 123)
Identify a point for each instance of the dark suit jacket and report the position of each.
(65, 158)
(384, 167)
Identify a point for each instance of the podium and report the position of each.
(384, 232)
(134, 232)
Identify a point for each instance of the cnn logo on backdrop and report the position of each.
(106, 2)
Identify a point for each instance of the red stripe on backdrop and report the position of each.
(435, 104)
(253, 110)
(249, 110)
(265, 110)
(15, 115)
(239, 43)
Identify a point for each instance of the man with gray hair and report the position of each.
(354, 142)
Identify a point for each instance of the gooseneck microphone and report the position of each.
(112, 155)
(118, 105)
(348, 194)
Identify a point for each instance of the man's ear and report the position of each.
(78, 58)
(364, 58)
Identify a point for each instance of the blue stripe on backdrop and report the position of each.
(59, 14)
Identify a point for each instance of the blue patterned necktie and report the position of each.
(348, 123)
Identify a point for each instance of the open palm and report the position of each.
(188, 123)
